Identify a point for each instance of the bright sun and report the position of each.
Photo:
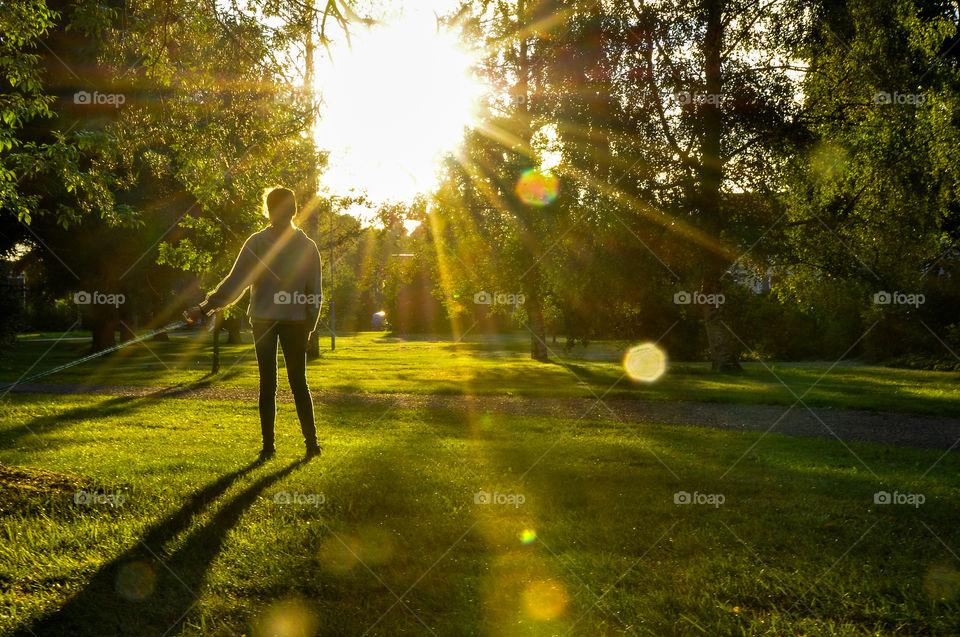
(392, 105)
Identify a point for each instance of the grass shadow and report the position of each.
(115, 406)
(144, 594)
(211, 378)
(109, 408)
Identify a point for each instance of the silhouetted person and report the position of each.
(281, 266)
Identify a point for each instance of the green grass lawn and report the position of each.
(598, 546)
(374, 363)
(29, 336)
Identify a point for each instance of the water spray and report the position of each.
(90, 357)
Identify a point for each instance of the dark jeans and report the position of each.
(293, 340)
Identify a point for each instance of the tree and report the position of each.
(875, 185)
(65, 165)
(483, 194)
(712, 125)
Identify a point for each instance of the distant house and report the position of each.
(16, 286)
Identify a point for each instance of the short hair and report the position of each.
(281, 206)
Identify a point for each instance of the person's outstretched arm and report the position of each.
(315, 288)
(234, 285)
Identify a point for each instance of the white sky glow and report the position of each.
(392, 106)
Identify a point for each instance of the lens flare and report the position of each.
(287, 618)
(544, 599)
(340, 554)
(645, 362)
(136, 581)
(941, 583)
(538, 187)
(527, 536)
(376, 545)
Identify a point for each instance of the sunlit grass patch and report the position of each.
(373, 363)
(576, 510)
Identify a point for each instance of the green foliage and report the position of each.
(873, 204)
(793, 169)
(22, 98)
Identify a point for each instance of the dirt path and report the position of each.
(865, 426)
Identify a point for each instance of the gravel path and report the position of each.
(865, 426)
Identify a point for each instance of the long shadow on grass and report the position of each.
(588, 375)
(113, 406)
(144, 594)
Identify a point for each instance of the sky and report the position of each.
(393, 104)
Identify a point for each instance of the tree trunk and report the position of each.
(104, 334)
(217, 323)
(535, 323)
(538, 332)
(724, 346)
(724, 349)
(233, 325)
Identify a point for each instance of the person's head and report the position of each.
(281, 207)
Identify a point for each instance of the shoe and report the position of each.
(266, 454)
(313, 451)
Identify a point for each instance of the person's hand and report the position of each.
(193, 314)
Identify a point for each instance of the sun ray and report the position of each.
(446, 276)
(648, 210)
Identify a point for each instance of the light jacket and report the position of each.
(282, 268)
